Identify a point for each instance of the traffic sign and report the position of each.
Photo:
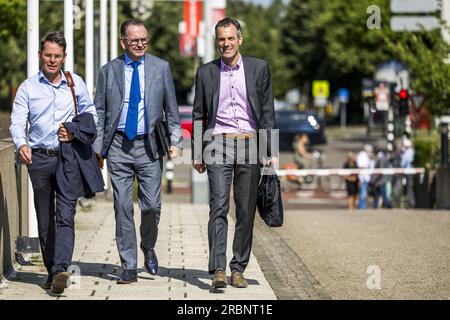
(293, 96)
(417, 100)
(321, 89)
(343, 95)
(414, 23)
(414, 6)
(382, 97)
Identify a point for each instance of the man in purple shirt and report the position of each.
(233, 116)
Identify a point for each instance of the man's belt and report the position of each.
(238, 136)
(48, 152)
(138, 137)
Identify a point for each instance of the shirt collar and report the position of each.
(224, 67)
(42, 77)
(128, 60)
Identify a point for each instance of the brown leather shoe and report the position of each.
(219, 279)
(59, 282)
(238, 280)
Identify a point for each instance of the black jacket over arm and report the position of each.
(77, 172)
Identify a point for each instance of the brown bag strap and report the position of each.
(71, 85)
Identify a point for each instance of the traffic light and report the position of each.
(403, 102)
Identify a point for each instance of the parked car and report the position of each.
(186, 121)
(294, 122)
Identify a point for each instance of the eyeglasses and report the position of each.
(54, 56)
(135, 42)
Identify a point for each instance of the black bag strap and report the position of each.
(71, 85)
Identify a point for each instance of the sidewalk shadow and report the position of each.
(100, 270)
(199, 278)
(28, 277)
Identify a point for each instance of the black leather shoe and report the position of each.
(127, 277)
(151, 261)
(48, 283)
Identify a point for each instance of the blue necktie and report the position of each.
(133, 103)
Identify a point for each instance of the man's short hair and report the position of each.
(56, 37)
(227, 22)
(133, 22)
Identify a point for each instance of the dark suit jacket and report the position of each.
(207, 89)
(77, 171)
(159, 100)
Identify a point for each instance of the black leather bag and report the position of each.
(163, 136)
(269, 202)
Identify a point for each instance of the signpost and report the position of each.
(415, 22)
(321, 92)
(414, 6)
(382, 97)
(343, 97)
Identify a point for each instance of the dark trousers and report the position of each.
(245, 183)
(55, 222)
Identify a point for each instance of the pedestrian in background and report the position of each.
(351, 181)
(302, 157)
(407, 160)
(378, 181)
(364, 161)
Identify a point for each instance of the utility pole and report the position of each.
(68, 34)
(103, 32)
(32, 69)
(89, 47)
(445, 15)
(114, 35)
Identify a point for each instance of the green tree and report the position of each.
(12, 52)
(424, 53)
(331, 40)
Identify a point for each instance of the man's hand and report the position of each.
(25, 154)
(174, 152)
(63, 134)
(100, 161)
(200, 167)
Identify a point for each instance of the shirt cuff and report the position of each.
(20, 142)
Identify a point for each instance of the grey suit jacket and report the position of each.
(160, 103)
(207, 90)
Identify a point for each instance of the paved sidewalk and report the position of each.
(182, 250)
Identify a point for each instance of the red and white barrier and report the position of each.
(348, 172)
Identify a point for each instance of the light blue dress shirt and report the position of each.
(407, 158)
(46, 105)
(141, 129)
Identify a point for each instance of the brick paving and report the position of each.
(182, 250)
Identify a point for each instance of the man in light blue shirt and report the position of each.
(45, 101)
(407, 161)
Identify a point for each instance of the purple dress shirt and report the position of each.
(234, 114)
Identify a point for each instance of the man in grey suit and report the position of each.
(134, 92)
(234, 113)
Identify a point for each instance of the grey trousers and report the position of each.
(245, 183)
(126, 161)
